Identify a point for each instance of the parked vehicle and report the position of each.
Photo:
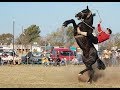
(4, 49)
(10, 56)
(1, 51)
(32, 58)
(63, 53)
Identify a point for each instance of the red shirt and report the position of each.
(102, 36)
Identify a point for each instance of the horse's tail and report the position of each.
(100, 64)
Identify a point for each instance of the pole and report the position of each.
(13, 40)
(45, 45)
(22, 40)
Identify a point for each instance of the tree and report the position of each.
(30, 35)
(6, 39)
(112, 42)
(70, 35)
(56, 38)
(61, 37)
(116, 40)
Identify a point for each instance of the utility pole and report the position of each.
(13, 39)
(22, 40)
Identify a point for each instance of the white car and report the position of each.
(7, 57)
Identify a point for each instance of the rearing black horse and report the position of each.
(90, 55)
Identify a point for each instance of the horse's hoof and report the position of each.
(89, 82)
(79, 74)
(64, 24)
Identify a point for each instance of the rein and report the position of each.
(88, 16)
(87, 24)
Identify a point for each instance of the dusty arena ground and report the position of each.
(38, 76)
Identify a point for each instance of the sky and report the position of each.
(49, 16)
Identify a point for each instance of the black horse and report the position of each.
(90, 55)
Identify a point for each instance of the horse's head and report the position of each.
(84, 14)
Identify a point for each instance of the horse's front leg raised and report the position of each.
(74, 25)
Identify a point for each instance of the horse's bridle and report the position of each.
(87, 15)
(86, 18)
(84, 22)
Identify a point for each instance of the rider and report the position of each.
(101, 37)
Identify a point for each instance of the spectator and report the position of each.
(58, 60)
(45, 61)
(107, 57)
(75, 61)
(63, 61)
(114, 58)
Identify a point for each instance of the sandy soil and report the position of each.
(38, 76)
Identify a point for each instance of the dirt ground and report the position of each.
(39, 76)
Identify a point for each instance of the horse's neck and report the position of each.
(89, 21)
(86, 24)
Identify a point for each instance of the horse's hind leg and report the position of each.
(91, 75)
(81, 72)
(91, 61)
